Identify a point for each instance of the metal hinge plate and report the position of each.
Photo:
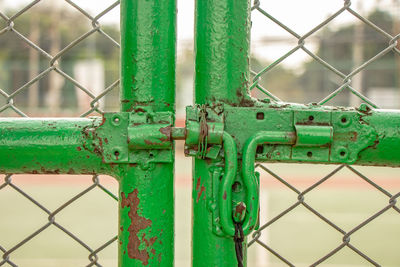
(141, 137)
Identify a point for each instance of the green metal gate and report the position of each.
(226, 132)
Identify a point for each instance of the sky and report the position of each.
(300, 16)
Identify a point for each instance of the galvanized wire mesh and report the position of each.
(93, 258)
(55, 58)
(343, 231)
(43, 57)
(12, 104)
(345, 83)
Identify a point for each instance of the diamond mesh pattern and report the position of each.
(261, 7)
(47, 71)
(53, 74)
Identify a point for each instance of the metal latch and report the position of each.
(147, 136)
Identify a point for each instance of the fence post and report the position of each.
(222, 34)
(146, 206)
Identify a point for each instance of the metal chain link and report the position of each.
(202, 146)
(238, 239)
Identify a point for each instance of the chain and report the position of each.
(239, 238)
(202, 147)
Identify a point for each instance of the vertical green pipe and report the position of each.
(146, 224)
(222, 51)
(146, 206)
(222, 75)
(148, 44)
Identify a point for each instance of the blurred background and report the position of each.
(61, 58)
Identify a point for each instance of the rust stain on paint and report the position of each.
(198, 183)
(167, 131)
(239, 210)
(138, 223)
(202, 189)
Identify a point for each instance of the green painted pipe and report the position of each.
(51, 146)
(385, 150)
(222, 41)
(148, 44)
(146, 210)
(208, 248)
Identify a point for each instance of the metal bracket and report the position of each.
(286, 133)
(141, 136)
(322, 134)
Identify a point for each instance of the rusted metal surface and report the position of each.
(222, 33)
(146, 235)
(51, 146)
(200, 189)
(138, 223)
(148, 52)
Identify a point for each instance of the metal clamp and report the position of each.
(147, 136)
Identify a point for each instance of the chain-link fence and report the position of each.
(52, 217)
(50, 48)
(70, 46)
(56, 59)
(359, 235)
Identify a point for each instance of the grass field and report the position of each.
(299, 236)
(302, 238)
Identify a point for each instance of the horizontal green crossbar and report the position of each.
(51, 146)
